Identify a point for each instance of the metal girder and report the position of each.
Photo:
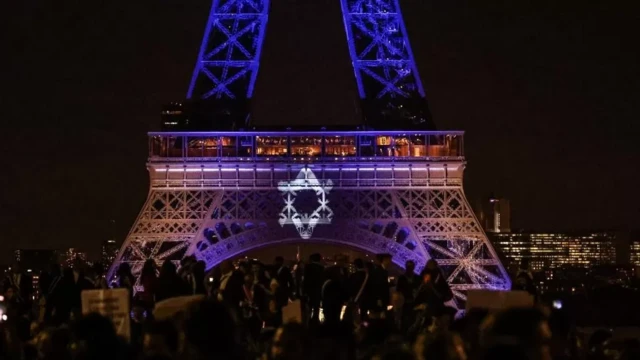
(414, 223)
(229, 56)
(380, 51)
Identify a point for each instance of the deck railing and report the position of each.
(340, 146)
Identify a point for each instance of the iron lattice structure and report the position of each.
(217, 195)
(216, 206)
(229, 56)
(380, 51)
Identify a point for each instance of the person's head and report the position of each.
(149, 268)
(226, 266)
(210, 331)
(274, 285)
(279, 261)
(98, 269)
(160, 338)
(358, 263)
(137, 311)
(441, 346)
(315, 257)
(95, 338)
(78, 265)
(244, 267)
(384, 260)
(426, 276)
(16, 268)
(168, 268)
(124, 269)
(431, 264)
(9, 293)
(289, 342)
(255, 267)
(248, 278)
(527, 327)
(410, 266)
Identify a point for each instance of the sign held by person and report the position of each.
(292, 312)
(498, 300)
(110, 303)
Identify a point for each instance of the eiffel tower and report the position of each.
(220, 187)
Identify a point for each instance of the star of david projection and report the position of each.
(305, 222)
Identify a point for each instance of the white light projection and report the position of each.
(305, 223)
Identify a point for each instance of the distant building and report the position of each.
(495, 215)
(35, 260)
(173, 117)
(109, 252)
(553, 250)
(71, 254)
(634, 252)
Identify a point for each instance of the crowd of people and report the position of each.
(235, 311)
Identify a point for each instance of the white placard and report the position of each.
(111, 303)
(498, 300)
(292, 312)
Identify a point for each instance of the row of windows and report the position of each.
(338, 146)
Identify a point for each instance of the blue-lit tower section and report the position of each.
(219, 190)
(229, 56)
(384, 66)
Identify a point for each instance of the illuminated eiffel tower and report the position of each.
(380, 189)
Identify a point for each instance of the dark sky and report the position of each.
(547, 92)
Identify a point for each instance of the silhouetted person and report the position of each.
(334, 295)
(312, 284)
(524, 327)
(169, 283)
(77, 283)
(252, 305)
(125, 278)
(21, 282)
(285, 282)
(96, 338)
(428, 302)
(524, 280)
(380, 283)
(210, 333)
(289, 342)
(443, 291)
(198, 273)
(52, 295)
(149, 282)
(408, 283)
(17, 312)
(99, 280)
(358, 288)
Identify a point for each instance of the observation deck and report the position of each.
(260, 159)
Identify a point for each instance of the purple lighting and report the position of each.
(229, 56)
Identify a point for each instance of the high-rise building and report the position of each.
(553, 250)
(36, 260)
(495, 215)
(71, 255)
(109, 252)
(634, 252)
(173, 116)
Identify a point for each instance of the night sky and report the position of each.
(547, 92)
